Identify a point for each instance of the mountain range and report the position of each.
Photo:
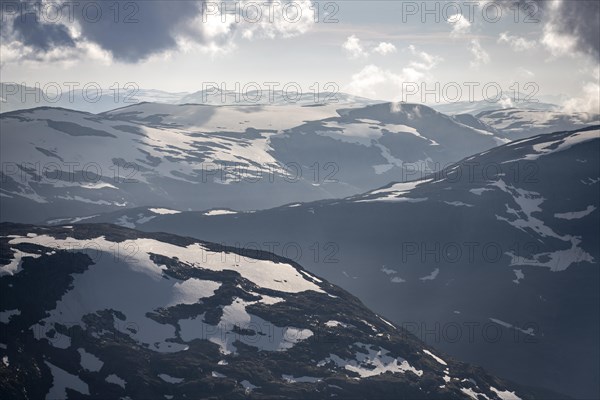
(484, 248)
(138, 315)
(513, 258)
(60, 163)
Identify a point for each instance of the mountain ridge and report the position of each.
(94, 355)
(377, 249)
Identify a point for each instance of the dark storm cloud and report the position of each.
(579, 18)
(39, 35)
(140, 28)
(130, 30)
(582, 19)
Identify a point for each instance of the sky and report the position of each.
(387, 50)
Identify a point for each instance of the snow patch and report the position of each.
(248, 387)
(545, 148)
(163, 211)
(458, 204)
(219, 212)
(89, 361)
(300, 379)
(387, 322)
(436, 358)
(192, 290)
(334, 324)
(282, 277)
(388, 271)
(479, 191)
(473, 394)
(372, 362)
(169, 378)
(519, 274)
(237, 324)
(575, 214)
(112, 378)
(528, 331)
(14, 267)
(431, 276)
(5, 316)
(505, 395)
(396, 190)
(61, 380)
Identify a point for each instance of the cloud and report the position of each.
(571, 26)
(294, 24)
(375, 82)
(515, 42)
(460, 25)
(354, 48)
(39, 35)
(62, 56)
(214, 32)
(424, 61)
(461, 29)
(141, 30)
(365, 82)
(480, 56)
(557, 43)
(587, 102)
(589, 97)
(385, 48)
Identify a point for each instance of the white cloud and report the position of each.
(365, 82)
(557, 43)
(461, 28)
(460, 25)
(425, 61)
(14, 50)
(286, 22)
(375, 82)
(571, 28)
(480, 56)
(215, 33)
(589, 101)
(64, 57)
(515, 42)
(354, 48)
(385, 48)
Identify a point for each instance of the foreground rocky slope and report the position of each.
(99, 311)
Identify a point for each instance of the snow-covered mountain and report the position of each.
(505, 101)
(97, 100)
(92, 99)
(63, 163)
(507, 238)
(134, 315)
(216, 96)
(515, 123)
